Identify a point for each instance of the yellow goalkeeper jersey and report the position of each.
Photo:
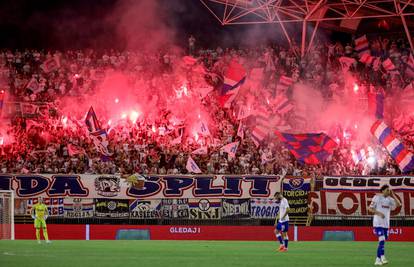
(40, 210)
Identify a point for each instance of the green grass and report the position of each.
(198, 253)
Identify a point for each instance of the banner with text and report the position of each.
(263, 208)
(367, 183)
(112, 208)
(175, 208)
(349, 203)
(205, 209)
(155, 187)
(78, 207)
(145, 209)
(236, 208)
(296, 191)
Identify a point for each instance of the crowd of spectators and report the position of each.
(48, 142)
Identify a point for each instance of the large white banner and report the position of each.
(352, 203)
(367, 183)
(352, 195)
(156, 186)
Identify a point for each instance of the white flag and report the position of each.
(192, 166)
(200, 151)
(243, 113)
(231, 149)
(203, 128)
(240, 131)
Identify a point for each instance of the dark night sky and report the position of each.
(71, 24)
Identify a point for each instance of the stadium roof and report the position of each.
(347, 14)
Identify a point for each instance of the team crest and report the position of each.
(107, 186)
(143, 206)
(204, 204)
(296, 182)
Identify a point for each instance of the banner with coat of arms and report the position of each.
(78, 207)
(205, 209)
(145, 208)
(112, 208)
(155, 186)
(296, 191)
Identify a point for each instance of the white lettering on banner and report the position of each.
(351, 203)
(395, 231)
(185, 230)
(155, 186)
(367, 183)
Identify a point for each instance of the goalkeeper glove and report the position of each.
(33, 217)
(45, 217)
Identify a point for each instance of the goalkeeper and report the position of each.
(39, 214)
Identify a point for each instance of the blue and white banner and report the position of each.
(54, 205)
(155, 186)
(263, 208)
(145, 209)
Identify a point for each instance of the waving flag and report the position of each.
(33, 85)
(362, 45)
(243, 113)
(92, 121)
(259, 133)
(376, 105)
(50, 65)
(233, 79)
(100, 140)
(346, 63)
(395, 148)
(202, 128)
(230, 149)
(262, 115)
(309, 148)
(388, 65)
(282, 104)
(367, 59)
(376, 64)
(200, 151)
(358, 155)
(191, 166)
(284, 83)
(240, 130)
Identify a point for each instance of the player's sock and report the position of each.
(380, 250)
(279, 237)
(45, 234)
(286, 242)
(38, 234)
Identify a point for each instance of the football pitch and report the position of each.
(198, 253)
